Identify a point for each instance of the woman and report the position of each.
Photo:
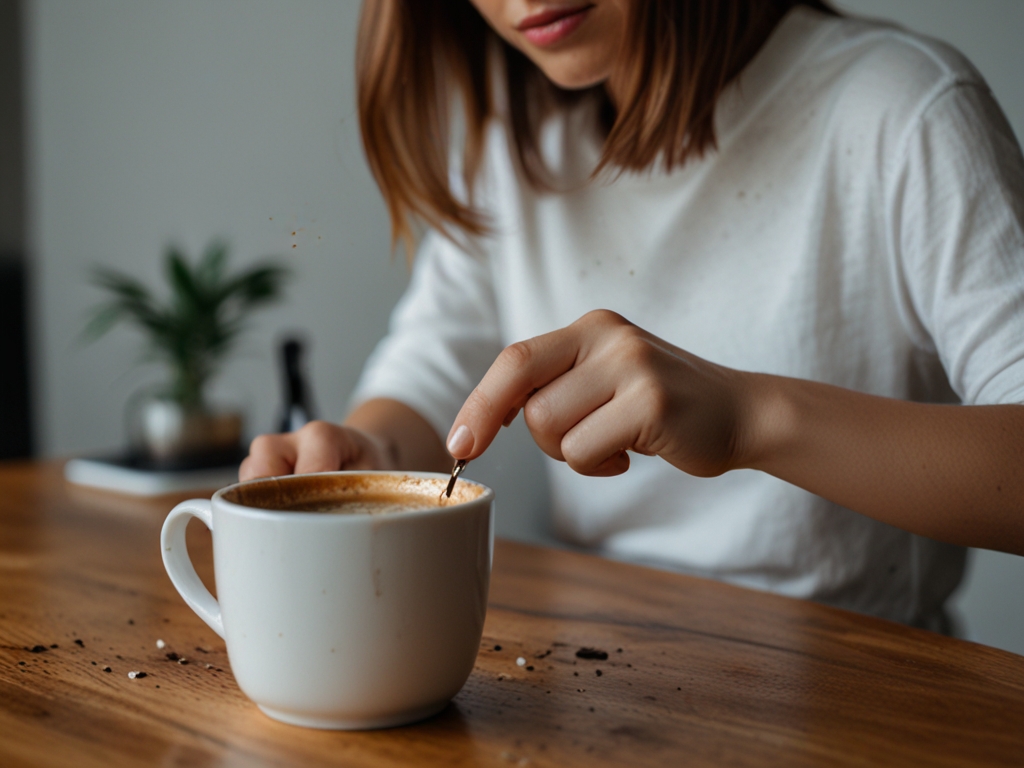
(765, 249)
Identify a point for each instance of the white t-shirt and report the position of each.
(861, 224)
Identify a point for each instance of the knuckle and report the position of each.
(516, 356)
(634, 348)
(539, 415)
(318, 431)
(246, 470)
(261, 445)
(657, 400)
(602, 317)
(574, 456)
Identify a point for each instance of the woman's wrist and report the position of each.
(767, 421)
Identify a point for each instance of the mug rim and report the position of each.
(218, 500)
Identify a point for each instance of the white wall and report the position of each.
(154, 121)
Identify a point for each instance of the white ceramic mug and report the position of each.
(342, 620)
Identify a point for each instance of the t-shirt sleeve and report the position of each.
(443, 336)
(959, 234)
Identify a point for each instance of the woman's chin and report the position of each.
(572, 79)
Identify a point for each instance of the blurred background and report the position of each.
(128, 125)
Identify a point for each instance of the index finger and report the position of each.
(520, 370)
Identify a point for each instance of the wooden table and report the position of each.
(697, 673)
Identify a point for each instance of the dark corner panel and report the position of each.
(15, 419)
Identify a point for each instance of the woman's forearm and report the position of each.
(953, 473)
(409, 440)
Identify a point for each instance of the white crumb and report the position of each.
(521, 662)
(160, 644)
(131, 675)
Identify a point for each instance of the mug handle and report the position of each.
(179, 565)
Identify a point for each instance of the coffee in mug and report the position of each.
(345, 599)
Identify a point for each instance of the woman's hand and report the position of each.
(318, 447)
(603, 386)
(379, 434)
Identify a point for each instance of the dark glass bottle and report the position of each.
(298, 406)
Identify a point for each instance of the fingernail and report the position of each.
(461, 443)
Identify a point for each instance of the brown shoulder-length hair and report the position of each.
(415, 57)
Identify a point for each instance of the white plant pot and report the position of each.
(166, 433)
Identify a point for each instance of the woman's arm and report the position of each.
(602, 386)
(950, 472)
(379, 434)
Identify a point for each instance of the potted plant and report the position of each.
(191, 333)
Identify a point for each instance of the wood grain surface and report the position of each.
(697, 673)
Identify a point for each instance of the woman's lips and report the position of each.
(550, 27)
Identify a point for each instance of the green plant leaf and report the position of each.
(260, 283)
(102, 319)
(211, 267)
(185, 291)
(207, 311)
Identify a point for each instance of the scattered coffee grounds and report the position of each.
(592, 653)
(131, 621)
(79, 643)
(575, 674)
(497, 647)
(201, 650)
(591, 709)
(55, 646)
(93, 663)
(22, 663)
(543, 655)
(172, 656)
(598, 673)
(529, 668)
(37, 649)
(106, 669)
(618, 650)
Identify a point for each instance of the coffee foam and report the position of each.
(355, 493)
